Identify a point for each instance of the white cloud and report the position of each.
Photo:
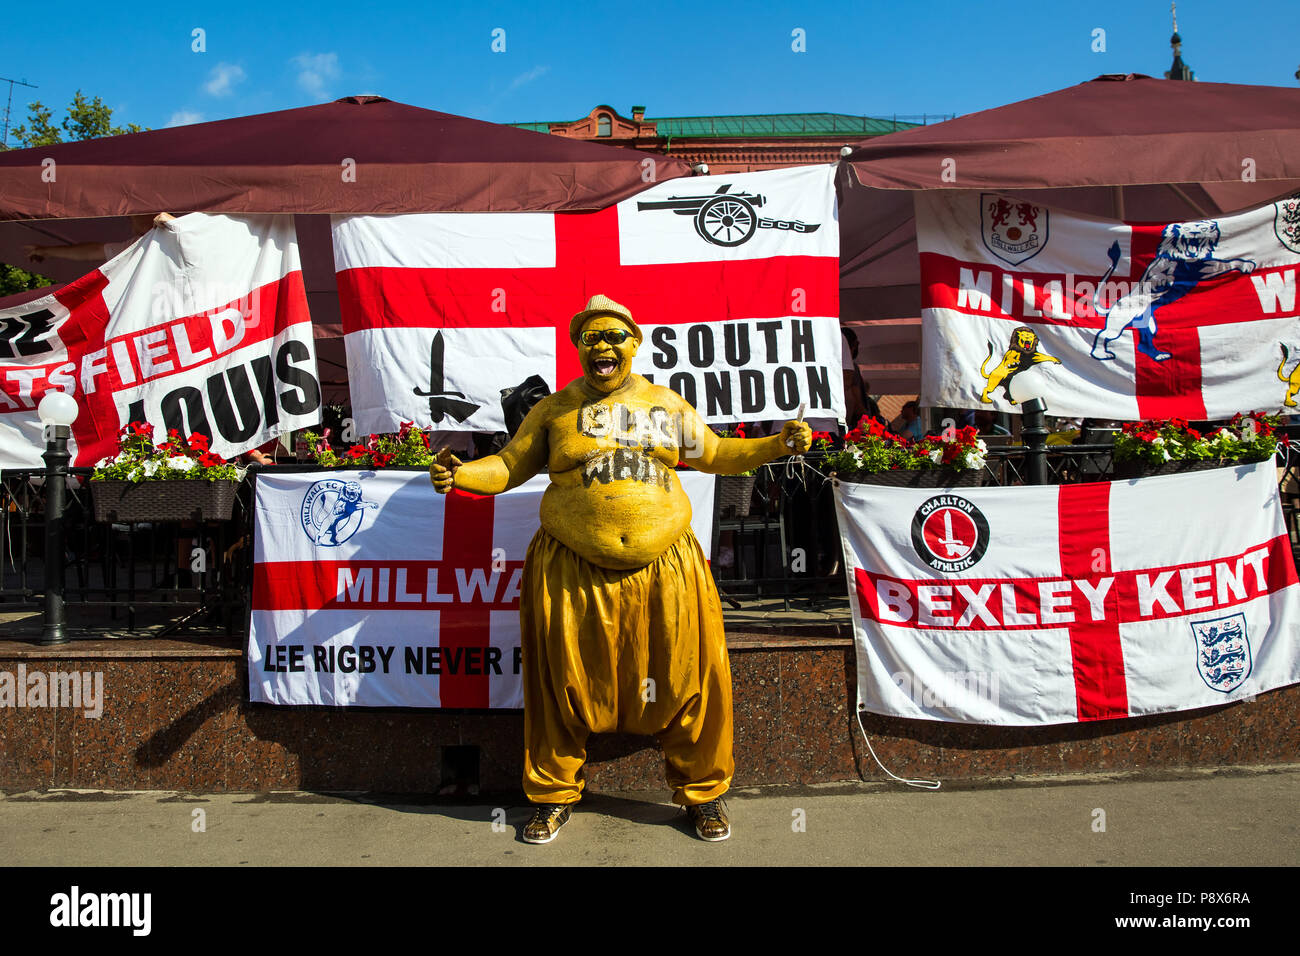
(315, 71)
(222, 79)
(184, 118)
(523, 79)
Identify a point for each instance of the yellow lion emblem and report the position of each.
(1021, 353)
(1292, 381)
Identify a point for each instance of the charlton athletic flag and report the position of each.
(200, 325)
(371, 589)
(1047, 605)
(1108, 319)
(733, 279)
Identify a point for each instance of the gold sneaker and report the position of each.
(546, 822)
(710, 820)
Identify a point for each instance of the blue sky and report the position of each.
(678, 59)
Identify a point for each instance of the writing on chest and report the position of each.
(645, 428)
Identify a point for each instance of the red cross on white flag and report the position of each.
(1107, 319)
(733, 279)
(371, 589)
(1079, 602)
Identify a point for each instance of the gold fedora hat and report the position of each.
(603, 305)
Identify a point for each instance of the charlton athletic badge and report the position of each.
(1012, 231)
(949, 533)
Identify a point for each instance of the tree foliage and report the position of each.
(86, 119)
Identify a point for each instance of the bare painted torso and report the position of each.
(614, 498)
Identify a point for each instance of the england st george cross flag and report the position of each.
(1048, 605)
(733, 279)
(371, 589)
(200, 325)
(1117, 320)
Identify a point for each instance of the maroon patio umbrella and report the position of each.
(1123, 146)
(360, 154)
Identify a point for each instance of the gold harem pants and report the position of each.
(591, 639)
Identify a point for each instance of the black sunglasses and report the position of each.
(612, 336)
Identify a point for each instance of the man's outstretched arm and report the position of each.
(522, 458)
(707, 452)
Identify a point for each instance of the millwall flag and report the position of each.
(200, 325)
(733, 279)
(371, 589)
(1108, 319)
(1047, 605)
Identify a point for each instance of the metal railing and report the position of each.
(123, 574)
(783, 545)
(788, 548)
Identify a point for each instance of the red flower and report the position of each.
(357, 451)
(855, 436)
(198, 442)
(380, 459)
(210, 459)
(740, 430)
(141, 429)
(171, 448)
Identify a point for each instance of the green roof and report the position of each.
(772, 124)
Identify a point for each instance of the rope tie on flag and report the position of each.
(795, 464)
(920, 783)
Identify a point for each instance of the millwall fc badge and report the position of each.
(949, 533)
(1013, 231)
(1222, 652)
(1286, 222)
(332, 511)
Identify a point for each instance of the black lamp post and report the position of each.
(1033, 429)
(57, 412)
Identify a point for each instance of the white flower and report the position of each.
(180, 463)
(936, 456)
(857, 456)
(975, 461)
(983, 448)
(150, 468)
(1248, 430)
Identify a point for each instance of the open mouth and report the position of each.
(604, 366)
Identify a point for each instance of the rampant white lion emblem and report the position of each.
(1184, 259)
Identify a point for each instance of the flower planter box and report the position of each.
(735, 493)
(919, 477)
(1123, 470)
(177, 500)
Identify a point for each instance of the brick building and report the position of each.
(731, 144)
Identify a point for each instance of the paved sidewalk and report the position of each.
(1241, 816)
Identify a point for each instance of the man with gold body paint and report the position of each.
(621, 625)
